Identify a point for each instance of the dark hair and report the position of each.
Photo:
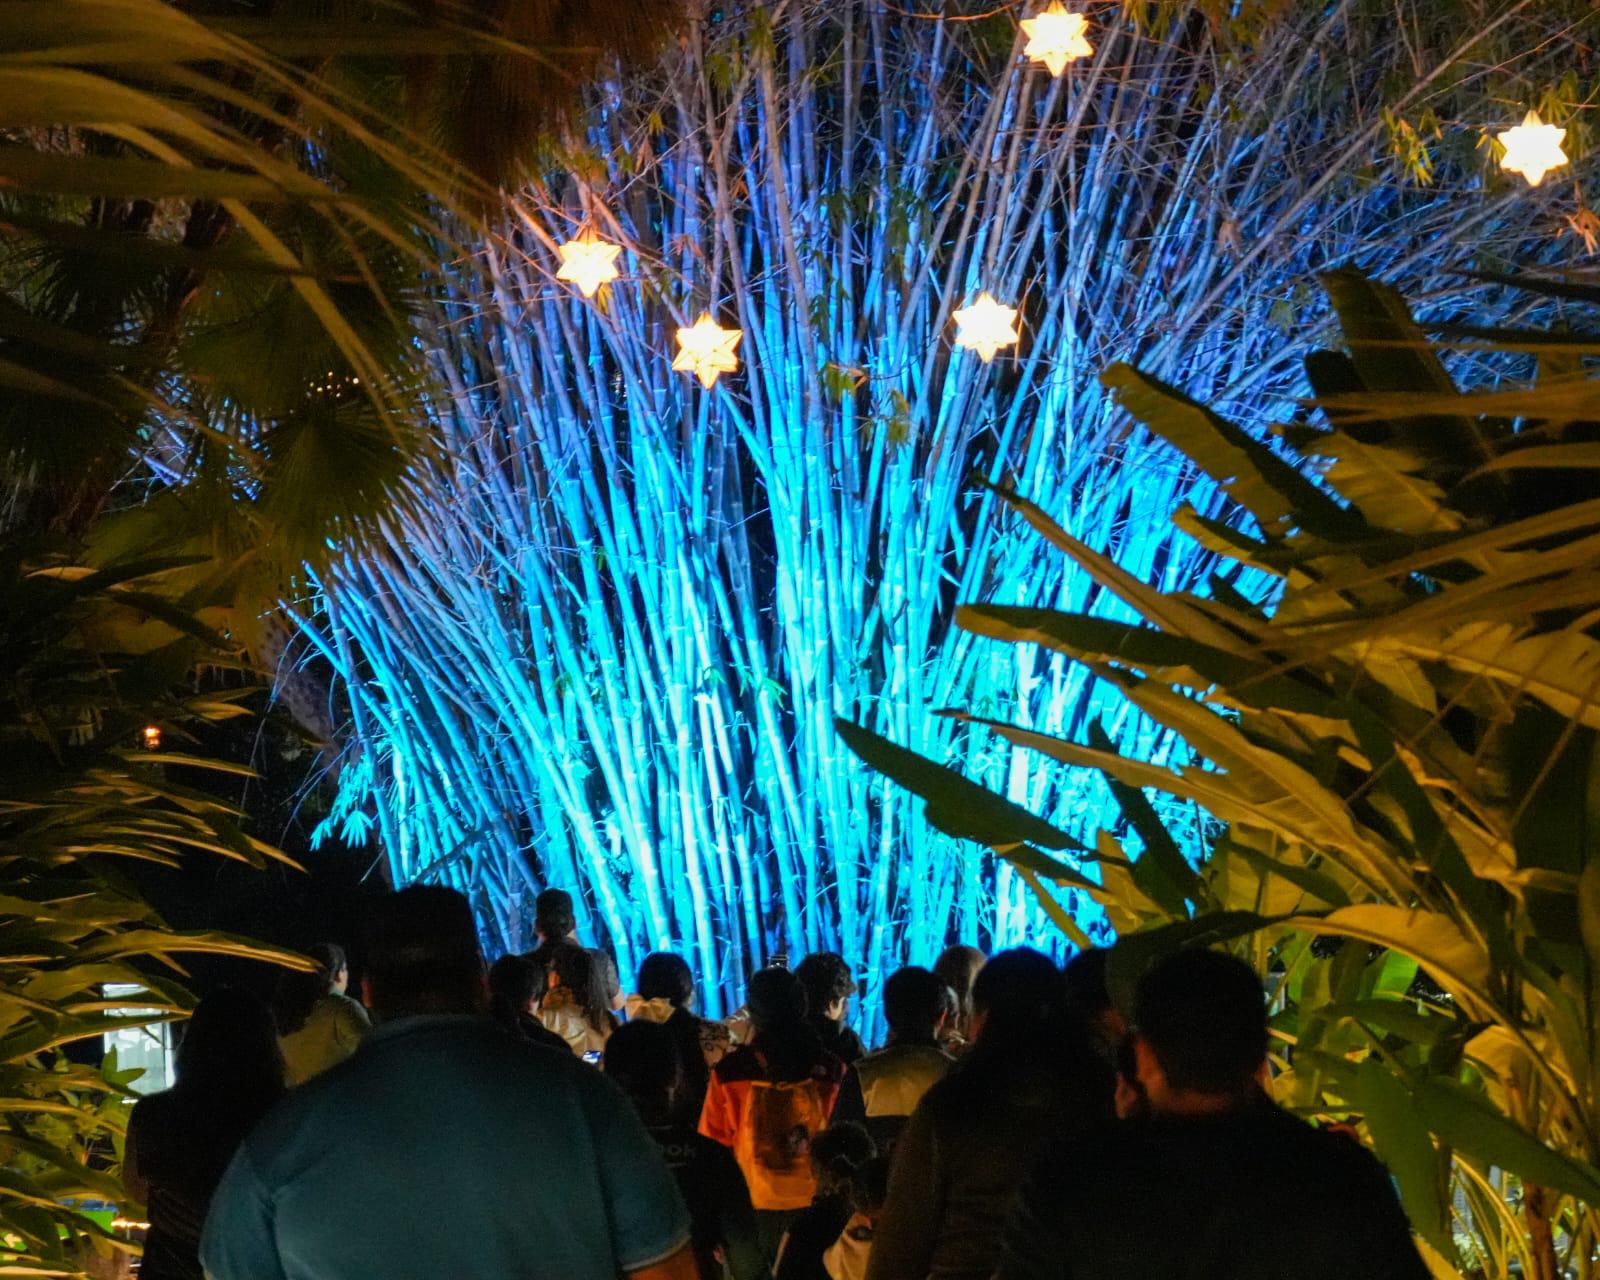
(665, 976)
(642, 1057)
(837, 1152)
(230, 1044)
(580, 976)
(422, 953)
(913, 1001)
(229, 1072)
(1084, 982)
(553, 915)
(777, 1004)
(1204, 1016)
(958, 967)
(514, 982)
(1018, 992)
(297, 992)
(826, 978)
(869, 1187)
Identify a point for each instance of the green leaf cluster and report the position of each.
(1402, 742)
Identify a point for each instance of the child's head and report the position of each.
(836, 1154)
(869, 1187)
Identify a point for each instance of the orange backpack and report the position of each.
(773, 1145)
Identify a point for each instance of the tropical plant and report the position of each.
(216, 217)
(604, 644)
(1394, 749)
(93, 674)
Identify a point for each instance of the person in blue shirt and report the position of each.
(445, 1147)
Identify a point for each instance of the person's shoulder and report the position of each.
(153, 1109)
(743, 1063)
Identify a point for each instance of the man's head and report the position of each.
(553, 917)
(828, 982)
(422, 954)
(913, 1005)
(1201, 1022)
(665, 976)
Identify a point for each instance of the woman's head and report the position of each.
(957, 967)
(230, 1048)
(573, 969)
(775, 999)
(1015, 996)
(665, 976)
(836, 1154)
(333, 967)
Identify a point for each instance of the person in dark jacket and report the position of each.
(829, 984)
(1030, 1078)
(643, 1058)
(666, 995)
(516, 985)
(1216, 1181)
(883, 1088)
(230, 1072)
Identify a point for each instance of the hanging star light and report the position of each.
(986, 326)
(588, 263)
(707, 350)
(1056, 37)
(1533, 148)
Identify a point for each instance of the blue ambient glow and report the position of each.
(607, 642)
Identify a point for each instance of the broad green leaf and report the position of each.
(1402, 1141)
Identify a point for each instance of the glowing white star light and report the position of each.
(588, 263)
(1056, 37)
(707, 350)
(986, 326)
(1533, 148)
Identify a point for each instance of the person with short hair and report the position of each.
(516, 986)
(229, 1074)
(445, 1147)
(883, 1089)
(1217, 1181)
(643, 1058)
(829, 985)
(574, 1007)
(835, 1158)
(957, 967)
(1030, 1077)
(555, 920)
(769, 1099)
(318, 1024)
(666, 995)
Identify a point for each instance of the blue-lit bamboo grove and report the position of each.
(610, 654)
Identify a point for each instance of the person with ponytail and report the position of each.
(180, 1141)
(768, 1100)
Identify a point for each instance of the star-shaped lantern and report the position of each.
(986, 326)
(588, 263)
(1056, 37)
(707, 350)
(1533, 148)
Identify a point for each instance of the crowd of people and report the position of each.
(509, 1124)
